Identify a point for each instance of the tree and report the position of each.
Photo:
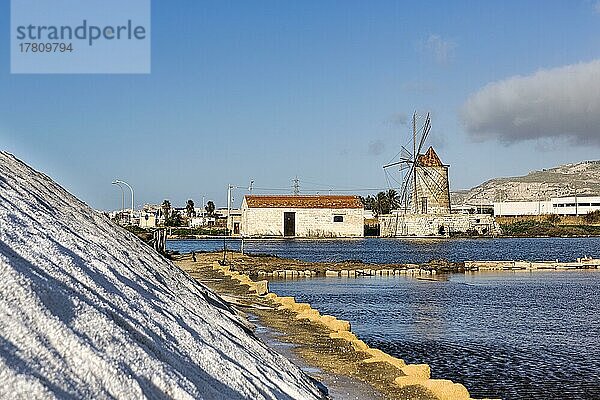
(393, 200)
(210, 208)
(367, 202)
(174, 219)
(381, 204)
(189, 209)
(166, 208)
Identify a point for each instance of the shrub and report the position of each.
(552, 219)
(592, 217)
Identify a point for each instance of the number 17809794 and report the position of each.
(55, 47)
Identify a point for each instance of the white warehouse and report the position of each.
(302, 216)
(579, 205)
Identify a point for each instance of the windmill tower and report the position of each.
(425, 187)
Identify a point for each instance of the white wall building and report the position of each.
(148, 219)
(200, 221)
(517, 208)
(579, 205)
(302, 216)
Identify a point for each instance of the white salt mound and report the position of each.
(89, 311)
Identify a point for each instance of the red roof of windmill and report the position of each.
(430, 159)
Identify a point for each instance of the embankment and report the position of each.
(267, 266)
(323, 341)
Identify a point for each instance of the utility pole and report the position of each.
(296, 187)
(415, 158)
(229, 188)
(576, 205)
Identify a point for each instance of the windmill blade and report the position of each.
(426, 129)
(392, 164)
(432, 185)
(428, 186)
(406, 188)
(405, 153)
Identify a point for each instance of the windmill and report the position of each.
(424, 187)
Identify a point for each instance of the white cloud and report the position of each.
(442, 50)
(597, 7)
(561, 103)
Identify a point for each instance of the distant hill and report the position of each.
(564, 180)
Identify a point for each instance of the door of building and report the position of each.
(289, 224)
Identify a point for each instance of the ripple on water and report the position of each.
(514, 336)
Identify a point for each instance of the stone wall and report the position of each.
(393, 225)
(310, 222)
(432, 184)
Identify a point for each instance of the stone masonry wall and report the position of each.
(436, 225)
(309, 222)
(432, 183)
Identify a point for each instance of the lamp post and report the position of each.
(230, 188)
(116, 182)
(122, 199)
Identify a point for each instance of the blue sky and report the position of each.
(270, 90)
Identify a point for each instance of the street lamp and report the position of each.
(122, 199)
(229, 200)
(116, 182)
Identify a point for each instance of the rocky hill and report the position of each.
(582, 178)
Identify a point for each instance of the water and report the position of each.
(510, 335)
(376, 250)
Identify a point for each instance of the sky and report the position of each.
(320, 90)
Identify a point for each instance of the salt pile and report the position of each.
(89, 311)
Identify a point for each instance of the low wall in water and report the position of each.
(581, 263)
(398, 225)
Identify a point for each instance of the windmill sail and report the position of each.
(424, 188)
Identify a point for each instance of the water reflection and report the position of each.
(374, 250)
(514, 335)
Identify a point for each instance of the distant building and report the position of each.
(148, 219)
(556, 205)
(302, 216)
(150, 216)
(202, 221)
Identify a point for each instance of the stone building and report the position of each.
(302, 216)
(432, 189)
(429, 214)
(399, 224)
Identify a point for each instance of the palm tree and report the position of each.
(393, 200)
(166, 208)
(380, 204)
(189, 209)
(367, 202)
(210, 208)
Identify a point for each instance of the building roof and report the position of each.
(303, 201)
(430, 159)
